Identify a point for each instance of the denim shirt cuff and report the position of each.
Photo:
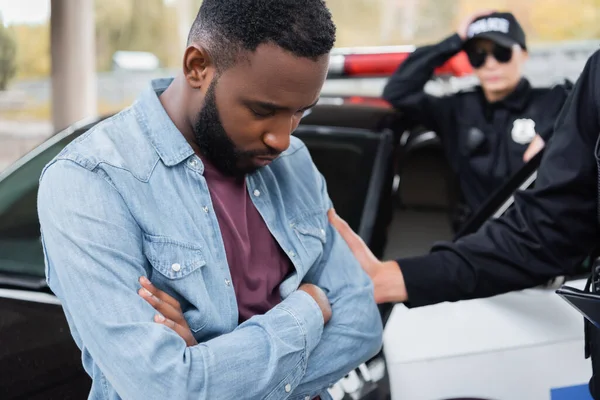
(309, 316)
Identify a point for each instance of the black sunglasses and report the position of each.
(477, 56)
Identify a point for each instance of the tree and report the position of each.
(357, 21)
(112, 20)
(561, 20)
(136, 25)
(436, 20)
(8, 55)
(33, 50)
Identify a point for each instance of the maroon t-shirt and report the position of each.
(256, 262)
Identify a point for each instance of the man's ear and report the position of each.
(197, 66)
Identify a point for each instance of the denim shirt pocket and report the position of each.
(310, 232)
(173, 259)
(179, 274)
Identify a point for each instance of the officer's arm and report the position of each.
(405, 89)
(550, 106)
(549, 230)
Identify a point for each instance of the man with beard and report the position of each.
(200, 189)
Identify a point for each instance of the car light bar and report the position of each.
(383, 61)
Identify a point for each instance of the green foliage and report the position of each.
(135, 25)
(8, 56)
(33, 51)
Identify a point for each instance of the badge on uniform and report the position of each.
(523, 130)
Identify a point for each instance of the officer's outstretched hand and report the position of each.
(535, 146)
(464, 25)
(386, 275)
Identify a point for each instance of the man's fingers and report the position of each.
(162, 307)
(145, 282)
(183, 331)
(165, 321)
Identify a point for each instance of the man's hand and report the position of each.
(386, 276)
(464, 25)
(320, 297)
(172, 316)
(169, 309)
(535, 146)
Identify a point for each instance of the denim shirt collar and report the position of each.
(167, 140)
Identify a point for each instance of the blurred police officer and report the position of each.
(548, 231)
(488, 132)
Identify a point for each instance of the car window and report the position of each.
(20, 247)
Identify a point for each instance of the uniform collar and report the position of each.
(167, 140)
(516, 101)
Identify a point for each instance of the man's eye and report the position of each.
(262, 114)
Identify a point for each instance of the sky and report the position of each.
(28, 11)
(24, 11)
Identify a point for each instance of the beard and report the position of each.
(216, 145)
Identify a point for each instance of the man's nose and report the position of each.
(278, 136)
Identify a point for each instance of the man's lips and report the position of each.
(264, 160)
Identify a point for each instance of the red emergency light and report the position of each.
(367, 101)
(374, 64)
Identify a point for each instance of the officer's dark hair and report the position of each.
(227, 27)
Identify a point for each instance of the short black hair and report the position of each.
(226, 27)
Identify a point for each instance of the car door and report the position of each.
(38, 357)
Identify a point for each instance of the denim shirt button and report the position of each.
(176, 267)
(227, 282)
(257, 193)
(288, 388)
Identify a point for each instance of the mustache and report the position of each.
(259, 153)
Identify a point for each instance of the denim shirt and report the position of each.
(128, 198)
